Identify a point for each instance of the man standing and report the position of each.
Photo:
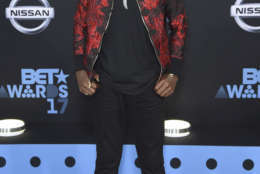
(125, 60)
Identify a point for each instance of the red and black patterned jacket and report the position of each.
(92, 17)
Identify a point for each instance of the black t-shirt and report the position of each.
(127, 60)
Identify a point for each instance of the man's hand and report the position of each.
(84, 84)
(166, 85)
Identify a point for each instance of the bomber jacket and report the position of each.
(91, 20)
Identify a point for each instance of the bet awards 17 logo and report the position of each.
(249, 89)
(48, 83)
(16, 13)
(242, 11)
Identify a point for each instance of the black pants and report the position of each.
(110, 121)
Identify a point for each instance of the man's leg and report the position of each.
(109, 129)
(149, 131)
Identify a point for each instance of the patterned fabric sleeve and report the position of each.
(79, 34)
(176, 14)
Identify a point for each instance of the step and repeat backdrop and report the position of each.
(218, 93)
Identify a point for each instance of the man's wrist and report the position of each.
(172, 75)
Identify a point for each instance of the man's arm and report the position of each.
(79, 25)
(176, 14)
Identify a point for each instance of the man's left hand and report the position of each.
(166, 85)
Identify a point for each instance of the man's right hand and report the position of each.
(84, 84)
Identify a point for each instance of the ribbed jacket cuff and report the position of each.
(175, 66)
(78, 63)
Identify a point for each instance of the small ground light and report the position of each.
(11, 127)
(176, 128)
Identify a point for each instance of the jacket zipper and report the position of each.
(103, 35)
(150, 39)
